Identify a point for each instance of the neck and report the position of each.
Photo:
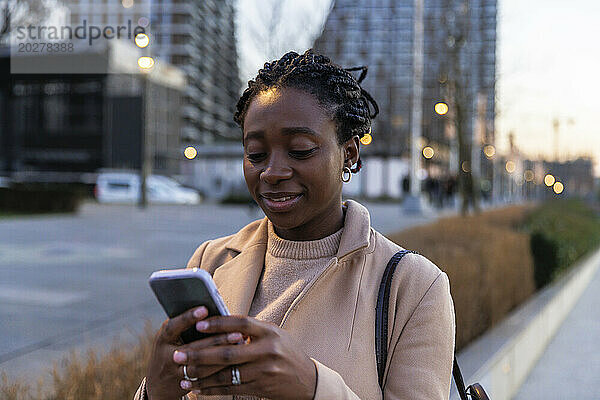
(327, 225)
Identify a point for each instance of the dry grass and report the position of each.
(115, 374)
(487, 259)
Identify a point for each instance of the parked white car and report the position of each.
(124, 187)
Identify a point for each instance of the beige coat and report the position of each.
(333, 318)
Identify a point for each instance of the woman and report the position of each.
(302, 283)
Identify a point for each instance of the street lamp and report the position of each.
(146, 63)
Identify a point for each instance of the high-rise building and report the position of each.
(197, 36)
(200, 37)
(380, 34)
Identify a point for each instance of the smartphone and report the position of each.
(178, 290)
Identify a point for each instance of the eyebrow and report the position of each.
(296, 130)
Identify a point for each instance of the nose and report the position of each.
(277, 169)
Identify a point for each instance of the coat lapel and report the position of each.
(237, 278)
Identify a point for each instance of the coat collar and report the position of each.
(238, 278)
(356, 235)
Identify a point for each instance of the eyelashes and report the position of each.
(298, 154)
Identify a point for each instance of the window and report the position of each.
(118, 186)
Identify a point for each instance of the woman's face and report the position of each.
(293, 163)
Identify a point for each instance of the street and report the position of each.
(79, 281)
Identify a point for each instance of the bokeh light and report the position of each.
(428, 152)
(465, 166)
(489, 151)
(529, 175)
(549, 180)
(441, 108)
(127, 3)
(190, 153)
(367, 139)
(142, 40)
(558, 187)
(511, 166)
(146, 62)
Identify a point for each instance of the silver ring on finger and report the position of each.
(185, 375)
(235, 376)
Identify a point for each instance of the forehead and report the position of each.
(280, 108)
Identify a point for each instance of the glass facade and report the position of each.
(197, 36)
(379, 33)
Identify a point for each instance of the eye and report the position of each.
(255, 157)
(303, 153)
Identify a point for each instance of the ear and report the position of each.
(351, 151)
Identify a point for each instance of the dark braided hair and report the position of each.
(333, 86)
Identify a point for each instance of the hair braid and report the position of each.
(335, 88)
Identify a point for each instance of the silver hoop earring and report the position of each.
(346, 175)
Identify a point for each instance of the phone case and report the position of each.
(178, 290)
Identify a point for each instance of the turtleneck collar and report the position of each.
(309, 249)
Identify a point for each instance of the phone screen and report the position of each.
(177, 295)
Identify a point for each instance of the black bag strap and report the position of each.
(381, 324)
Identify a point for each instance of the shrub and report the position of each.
(561, 233)
(113, 375)
(488, 262)
(41, 198)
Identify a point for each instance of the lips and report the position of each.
(280, 202)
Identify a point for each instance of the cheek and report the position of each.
(328, 179)
(251, 174)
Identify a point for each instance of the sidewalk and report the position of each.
(570, 366)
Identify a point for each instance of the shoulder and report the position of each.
(414, 276)
(212, 253)
(413, 264)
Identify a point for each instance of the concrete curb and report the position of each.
(502, 358)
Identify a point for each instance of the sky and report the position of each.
(548, 59)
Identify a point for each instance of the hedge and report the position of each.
(562, 232)
(41, 198)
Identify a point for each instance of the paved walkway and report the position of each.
(570, 367)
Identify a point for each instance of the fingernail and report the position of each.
(179, 356)
(201, 312)
(234, 337)
(185, 384)
(202, 325)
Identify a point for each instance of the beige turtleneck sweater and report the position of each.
(289, 267)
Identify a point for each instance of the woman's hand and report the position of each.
(270, 364)
(164, 376)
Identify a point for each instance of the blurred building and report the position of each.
(197, 36)
(107, 12)
(64, 127)
(381, 36)
(577, 176)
